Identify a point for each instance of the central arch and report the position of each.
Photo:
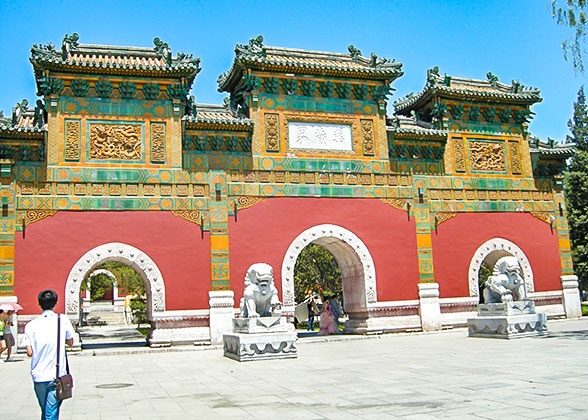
(126, 254)
(358, 273)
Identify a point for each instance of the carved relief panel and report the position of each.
(487, 156)
(367, 137)
(72, 140)
(158, 143)
(272, 133)
(459, 158)
(514, 151)
(115, 141)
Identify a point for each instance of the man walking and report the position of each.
(41, 341)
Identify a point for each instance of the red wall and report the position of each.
(51, 247)
(264, 232)
(457, 240)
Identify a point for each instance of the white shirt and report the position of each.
(41, 336)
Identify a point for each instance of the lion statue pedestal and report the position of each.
(260, 333)
(508, 313)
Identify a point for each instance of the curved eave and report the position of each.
(403, 134)
(554, 153)
(178, 71)
(217, 125)
(421, 98)
(26, 133)
(234, 74)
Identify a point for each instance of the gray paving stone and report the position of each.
(439, 375)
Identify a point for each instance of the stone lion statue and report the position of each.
(506, 282)
(260, 297)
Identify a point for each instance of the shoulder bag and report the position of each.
(64, 384)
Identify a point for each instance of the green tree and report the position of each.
(572, 14)
(316, 272)
(576, 183)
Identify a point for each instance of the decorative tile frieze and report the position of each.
(149, 189)
(295, 177)
(249, 177)
(114, 189)
(338, 179)
(351, 179)
(44, 188)
(26, 189)
(165, 190)
(182, 190)
(280, 177)
(324, 179)
(365, 179)
(97, 189)
(264, 177)
(309, 178)
(132, 189)
(80, 189)
(198, 190)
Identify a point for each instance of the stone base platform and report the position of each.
(260, 339)
(508, 320)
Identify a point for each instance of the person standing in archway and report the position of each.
(41, 342)
(327, 321)
(312, 312)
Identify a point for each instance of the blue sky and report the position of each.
(514, 39)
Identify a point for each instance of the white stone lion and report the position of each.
(260, 297)
(506, 282)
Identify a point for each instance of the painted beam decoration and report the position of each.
(304, 148)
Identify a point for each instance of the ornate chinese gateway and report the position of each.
(115, 162)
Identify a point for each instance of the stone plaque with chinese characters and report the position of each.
(320, 136)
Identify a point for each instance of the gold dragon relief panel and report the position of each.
(117, 142)
(487, 156)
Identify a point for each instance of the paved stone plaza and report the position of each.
(416, 376)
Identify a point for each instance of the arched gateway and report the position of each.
(490, 252)
(123, 253)
(358, 273)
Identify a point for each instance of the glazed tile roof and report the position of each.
(216, 114)
(23, 121)
(551, 148)
(258, 56)
(109, 59)
(488, 90)
(411, 127)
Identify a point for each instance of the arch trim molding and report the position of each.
(327, 231)
(498, 244)
(124, 253)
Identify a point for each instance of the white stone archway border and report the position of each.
(499, 244)
(327, 231)
(126, 254)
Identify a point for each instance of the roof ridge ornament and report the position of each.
(254, 48)
(163, 49)
(375, 61)
(355, 53)
(70, 42)
(492, 78)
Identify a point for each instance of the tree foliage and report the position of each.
(128, 281)
(576, 183)
(572, 14)
(316, 272)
